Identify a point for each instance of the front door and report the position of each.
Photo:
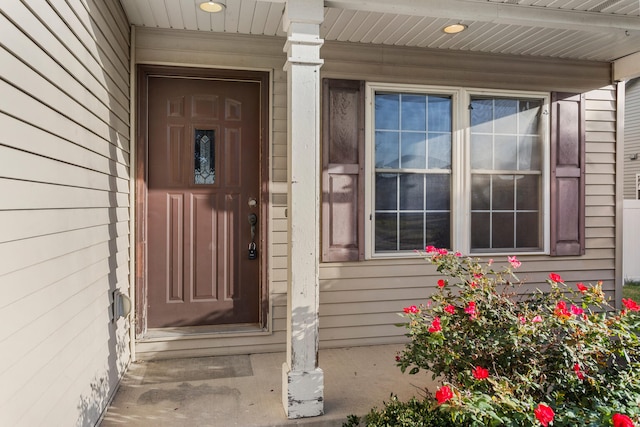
(204, 198)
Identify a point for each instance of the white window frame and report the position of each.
(460, 164)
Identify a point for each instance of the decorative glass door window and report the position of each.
(204, 157)
(413, 134)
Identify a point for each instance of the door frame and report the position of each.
(141, 177)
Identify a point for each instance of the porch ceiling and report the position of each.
(596, 30)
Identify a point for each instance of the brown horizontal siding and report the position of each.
(424, 66)
(359, 302)
(45, 144)
(18, 225)
(64, 214)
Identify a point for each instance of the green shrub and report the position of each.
(413, 413)
(562, 357)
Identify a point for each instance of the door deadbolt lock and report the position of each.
(253, 251)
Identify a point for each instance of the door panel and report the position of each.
(204, 167)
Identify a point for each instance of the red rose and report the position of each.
(544, 414)
(620, 420)
(480, 373)
(578, 371)
(581, 287)
(435, 325)
(576, 311)
(450, 309)
(411, 309)
(471, 309)
(630, 304)
(444, 394)
(555, 278)
(430, 249)
(441, 283)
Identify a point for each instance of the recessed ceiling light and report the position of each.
(212, 6)
(454, 28)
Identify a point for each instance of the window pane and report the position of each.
(502, 192)
(204, 157)
(480, 230)
(506, 152)
(386, 232)
(387, 111)
(528, 118)
(439, 151)
(439, 113)
(505, 116)
(529, 153)
(505, 137)
(411, 191)
(481, 115)
(386, 191)
(414, 112)
(412, 135)
(480, 192)
(387, 149)
(439, 230)
(481, 152)
(438, 192)
(527, 230)
(528, 192)
(411, 231)
(414, 148)
(502, 230)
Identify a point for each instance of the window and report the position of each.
(204, 169)
(412, 171)
(506, 172)
(456, 168)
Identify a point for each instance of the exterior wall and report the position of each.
(359, 301)
(64, 230)
(631, 138)
(631, 238)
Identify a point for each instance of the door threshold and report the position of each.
(199, 332)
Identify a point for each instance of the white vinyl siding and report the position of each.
(64, 210)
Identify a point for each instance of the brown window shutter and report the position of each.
(567, 174)
(342, 170)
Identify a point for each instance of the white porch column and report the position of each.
(303, 383)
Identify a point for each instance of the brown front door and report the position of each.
(203, 185)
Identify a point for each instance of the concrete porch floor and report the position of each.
(246, 391)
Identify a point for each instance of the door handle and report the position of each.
(253, 220)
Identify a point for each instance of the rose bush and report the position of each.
(507, 356)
